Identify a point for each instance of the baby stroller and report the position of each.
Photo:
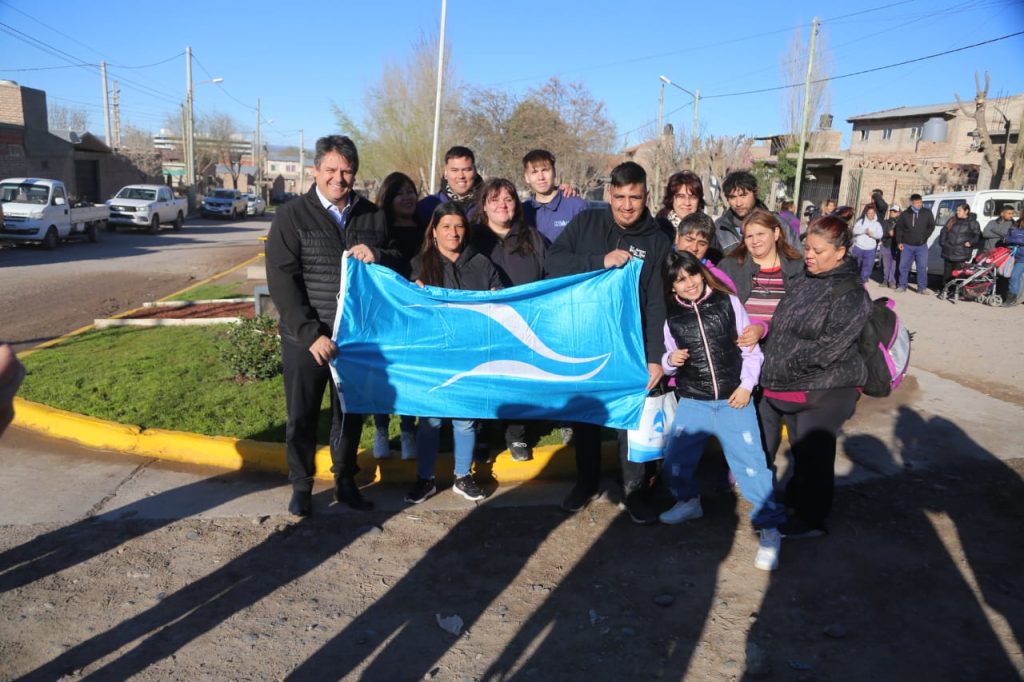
(976, 281)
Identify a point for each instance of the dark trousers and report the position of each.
(587, 441)
(304, 383)
(948, 266)
(515, 432)
(813, 427)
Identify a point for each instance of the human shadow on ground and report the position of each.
(888, 593)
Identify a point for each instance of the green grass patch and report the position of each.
(213, 290)
(174, 378)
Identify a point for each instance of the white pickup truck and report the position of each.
(147, 206)
(38, 210)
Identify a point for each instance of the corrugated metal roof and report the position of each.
(906, 112)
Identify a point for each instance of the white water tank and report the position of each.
(934, 129)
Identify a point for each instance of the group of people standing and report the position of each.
(752, 324)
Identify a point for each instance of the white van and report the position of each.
(985, 204)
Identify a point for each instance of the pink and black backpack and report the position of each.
(885, 346)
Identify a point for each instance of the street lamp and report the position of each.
(696, 103)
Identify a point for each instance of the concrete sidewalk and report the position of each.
(928, 423)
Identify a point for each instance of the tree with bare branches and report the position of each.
(794, 70)
(61, 117)
(993, 173)
(137, 148)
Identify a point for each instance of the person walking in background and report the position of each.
(608, 238)
(913, 228)
(789, 218)
(547, 209)
(446, 260)
(960, 236)
(714, 380)
(890, 254)
(517, 251)
(459, 184)
(304, 249)
(813, 370)
(866, 233)
(683, 196)
(397, 199)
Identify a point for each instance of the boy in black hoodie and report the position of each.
(608, 238)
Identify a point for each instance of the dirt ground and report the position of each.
(919, 578)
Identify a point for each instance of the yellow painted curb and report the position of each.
(553, 461)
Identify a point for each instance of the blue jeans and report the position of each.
(740, 436)
(1015, 277)
(865, 261)
(909, 256)
(428, 439)
(406, 423)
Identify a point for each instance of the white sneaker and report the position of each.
(381, 447)
(408, 441)
(683, 511)
(767, 558)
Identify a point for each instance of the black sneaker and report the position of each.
(640, 509)
(521, 452)
(467, 487)
(794, 529)
(423, 489)
(347, 492)
(578, 498)
(301, 503)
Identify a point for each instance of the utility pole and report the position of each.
(300, 186)
(437, 100)
(106, 103)
(115, 115)
(656, 195)
(258, 153)
(695, 134)
(807, 115)
(190, 157)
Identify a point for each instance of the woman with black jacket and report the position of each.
(959, 238)
(813, 371)
(447, 261)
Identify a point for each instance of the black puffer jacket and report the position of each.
(813, 344)
(956, 233)
(513, 268)
(712, 369)
(303, 254)
(470, 271)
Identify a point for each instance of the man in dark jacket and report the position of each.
(460, 184)
(913, 228)
(303, 253)
(608, 238)
(740, 190)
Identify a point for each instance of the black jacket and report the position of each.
(470, 271)
(742, 274)
(303, 254)
(513, 268)
(729, 231)
(707, 329)
(915, 228)
(593, 233)
(955, 234)
(813, 344)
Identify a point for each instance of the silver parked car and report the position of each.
(255, 204)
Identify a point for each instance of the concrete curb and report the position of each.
(552, 461)
(108, 322)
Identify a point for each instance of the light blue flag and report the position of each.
(566, 349)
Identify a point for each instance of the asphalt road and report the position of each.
(44, 294)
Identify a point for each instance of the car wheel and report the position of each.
(109, 226)
(92, 233)
(179, 222)
(154, 225)
(52, 239)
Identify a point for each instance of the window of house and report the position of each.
(273, 168)
(864, 135)
(290, 168)
(915, 133)
(887, 134)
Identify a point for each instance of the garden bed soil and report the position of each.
(194, 311)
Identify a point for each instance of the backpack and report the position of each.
(884, 345)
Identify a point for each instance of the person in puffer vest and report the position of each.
(714, 379)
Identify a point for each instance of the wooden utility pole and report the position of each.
(806, 117)
(106, 105)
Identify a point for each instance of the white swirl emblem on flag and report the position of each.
(509, 318)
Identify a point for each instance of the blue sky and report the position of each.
(298, 58)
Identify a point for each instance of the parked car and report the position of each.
(224, 203)
(38, 210)
(255, 204)
(282, 197)
(984, 204)
(147, 206)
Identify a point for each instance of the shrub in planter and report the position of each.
(253, 348)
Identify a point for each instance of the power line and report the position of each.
(220, 85)
(864, 71)
(148, 66)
